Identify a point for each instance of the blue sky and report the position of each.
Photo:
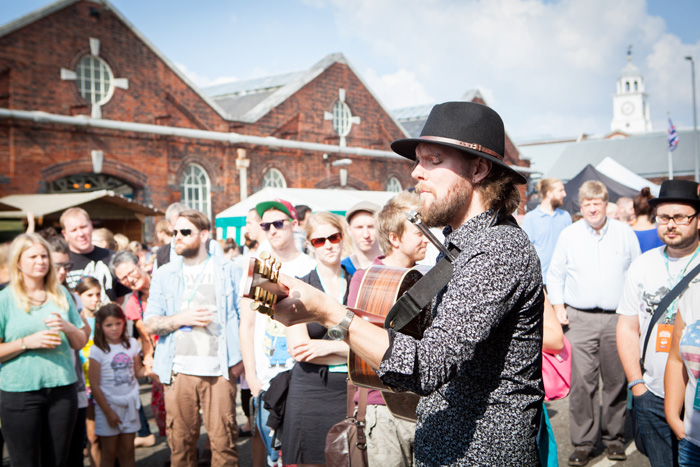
(548, 67)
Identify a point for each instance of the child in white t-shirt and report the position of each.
(115, 363)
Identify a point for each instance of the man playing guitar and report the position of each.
(478, 366)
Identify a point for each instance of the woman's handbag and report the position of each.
(346, 445)
(556, 373)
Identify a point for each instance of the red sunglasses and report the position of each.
(320, 241)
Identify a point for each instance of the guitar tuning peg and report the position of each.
(265, 255)
(262, 308)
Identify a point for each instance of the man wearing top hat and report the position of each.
(648, 280)
(478, 365)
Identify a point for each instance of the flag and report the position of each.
(672, 136)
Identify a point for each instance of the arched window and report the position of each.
(195, 189)
(342, 119)
(627, 86)
(394, 185)
(95, 80)
(273, 178)
(636, 86)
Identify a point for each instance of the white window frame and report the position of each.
(106, 94)
(393, 185)
(342, 118)
(274, 178)
(195, 188)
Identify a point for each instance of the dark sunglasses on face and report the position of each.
(183, 232)
(320, 241)
(278, 224)
(66, 266)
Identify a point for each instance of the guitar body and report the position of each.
(381, 287)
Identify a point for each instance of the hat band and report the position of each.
(473, 146)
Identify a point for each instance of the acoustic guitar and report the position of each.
(380, 288)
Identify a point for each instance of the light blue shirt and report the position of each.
(543, 230)
(165, 296)
(588, 270)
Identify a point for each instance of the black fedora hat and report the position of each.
(678, 191)
(473, 128)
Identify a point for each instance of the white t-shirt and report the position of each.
(271, 353)
(646, 283)
(117, 368)
(196, 347)
(689, 308)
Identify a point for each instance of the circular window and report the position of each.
(95, 80)
(341, 118)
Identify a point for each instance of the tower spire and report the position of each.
(629, 54)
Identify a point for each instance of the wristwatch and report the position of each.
(338, 331)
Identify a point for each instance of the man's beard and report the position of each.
(555, 203)
(442, 212)
(680, 243)
(188, 252)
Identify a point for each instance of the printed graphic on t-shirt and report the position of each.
(690, 348)
(196, 347)
(121, 365)
(652, 299)
(275, 343)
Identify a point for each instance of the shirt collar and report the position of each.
(603, 230)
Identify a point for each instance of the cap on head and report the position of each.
(469, 127)
(279, 204)
(366, 206)
(678, 191)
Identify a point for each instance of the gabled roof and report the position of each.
(61, 4)
(646, 154)
(248, 101)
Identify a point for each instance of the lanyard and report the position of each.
(200, 277)
(341, 292)
(674, 280)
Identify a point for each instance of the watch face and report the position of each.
(335, 333)
(627, 108)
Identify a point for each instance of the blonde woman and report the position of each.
(38, 325)
(317, 391)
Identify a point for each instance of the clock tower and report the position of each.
(630, 103)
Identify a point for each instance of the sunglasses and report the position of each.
(183, 232)
(320, 241)
(278, 225)
(67, 266)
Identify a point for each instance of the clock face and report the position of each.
(627, 108)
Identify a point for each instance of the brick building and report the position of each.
(87, 102)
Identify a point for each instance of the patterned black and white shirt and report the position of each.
(479, 363)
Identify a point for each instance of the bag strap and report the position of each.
(663, 306)
(351, 399)
(362, 405)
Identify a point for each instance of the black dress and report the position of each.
(316, 401)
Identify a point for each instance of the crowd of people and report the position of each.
(85, 313)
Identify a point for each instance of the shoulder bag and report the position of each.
(346, 445)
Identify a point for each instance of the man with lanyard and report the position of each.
(584, 282)
(478, 365)
(649, 279)
(194, 308)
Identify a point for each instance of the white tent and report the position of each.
(230, 222)
(618, 172)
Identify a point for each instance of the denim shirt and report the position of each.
(165, 298)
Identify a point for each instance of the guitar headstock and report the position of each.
(261, 284)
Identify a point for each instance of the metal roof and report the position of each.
(243, 87)
(645, 154)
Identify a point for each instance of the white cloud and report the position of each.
(549, 67)
(396, 90)
(201, 80)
